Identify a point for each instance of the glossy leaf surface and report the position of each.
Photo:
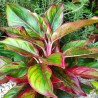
(56, 59)
(9, 68)
(78, 43)
(19, 16)
(80, 52)
(54, 16)
(39, 79)
(17, 31)
(70, 83)
(71, 27)
(84, 72)
(21, 44)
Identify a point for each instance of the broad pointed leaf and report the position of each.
(39, 79)
(17, 31)
(78, 43)
(29, 92)
(54, 15)
(9, 68)
(71, 27)
(17, 50)
(56, 59)
(19, 16)
(13, 93)
(84, 72)
(21, 44)
(70, 82)
(80, 52)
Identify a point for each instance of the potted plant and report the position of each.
(45, 69)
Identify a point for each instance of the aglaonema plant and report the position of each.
(44, 70)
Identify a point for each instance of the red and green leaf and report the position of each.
(16, 31)
(81, 52)
(20, 44)
(9, 68)
(29, 92)
(71, 27)
(18, 80)
(70, 82)
(13, 93)
(41, 21)
(56, 59)
(84, 72)
(78, 43)
(19, 16)
(54, 79)
(39, 79)
(54, 15)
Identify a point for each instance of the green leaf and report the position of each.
(39, 44)
(16, 50)
(71, 27)
(62, 94)
(18, 57)
(13, 93)
(39, 79)
(86, 88)
(93, 64)
(95, 84)
(9, 68)
(56, 59)
(20, 44)
(19, 16)
(41, 21)
(18, 73)
(80, 52)
(78, 43)
(54, 15)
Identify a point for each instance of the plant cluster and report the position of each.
(44, 68)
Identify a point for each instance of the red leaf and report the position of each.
(74, 83)
(68, 82)
(54, 79)
(18, 80)
(62, 86)
(84, 72)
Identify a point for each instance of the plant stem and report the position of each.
(48, 48)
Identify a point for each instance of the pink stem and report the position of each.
(48, 47)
